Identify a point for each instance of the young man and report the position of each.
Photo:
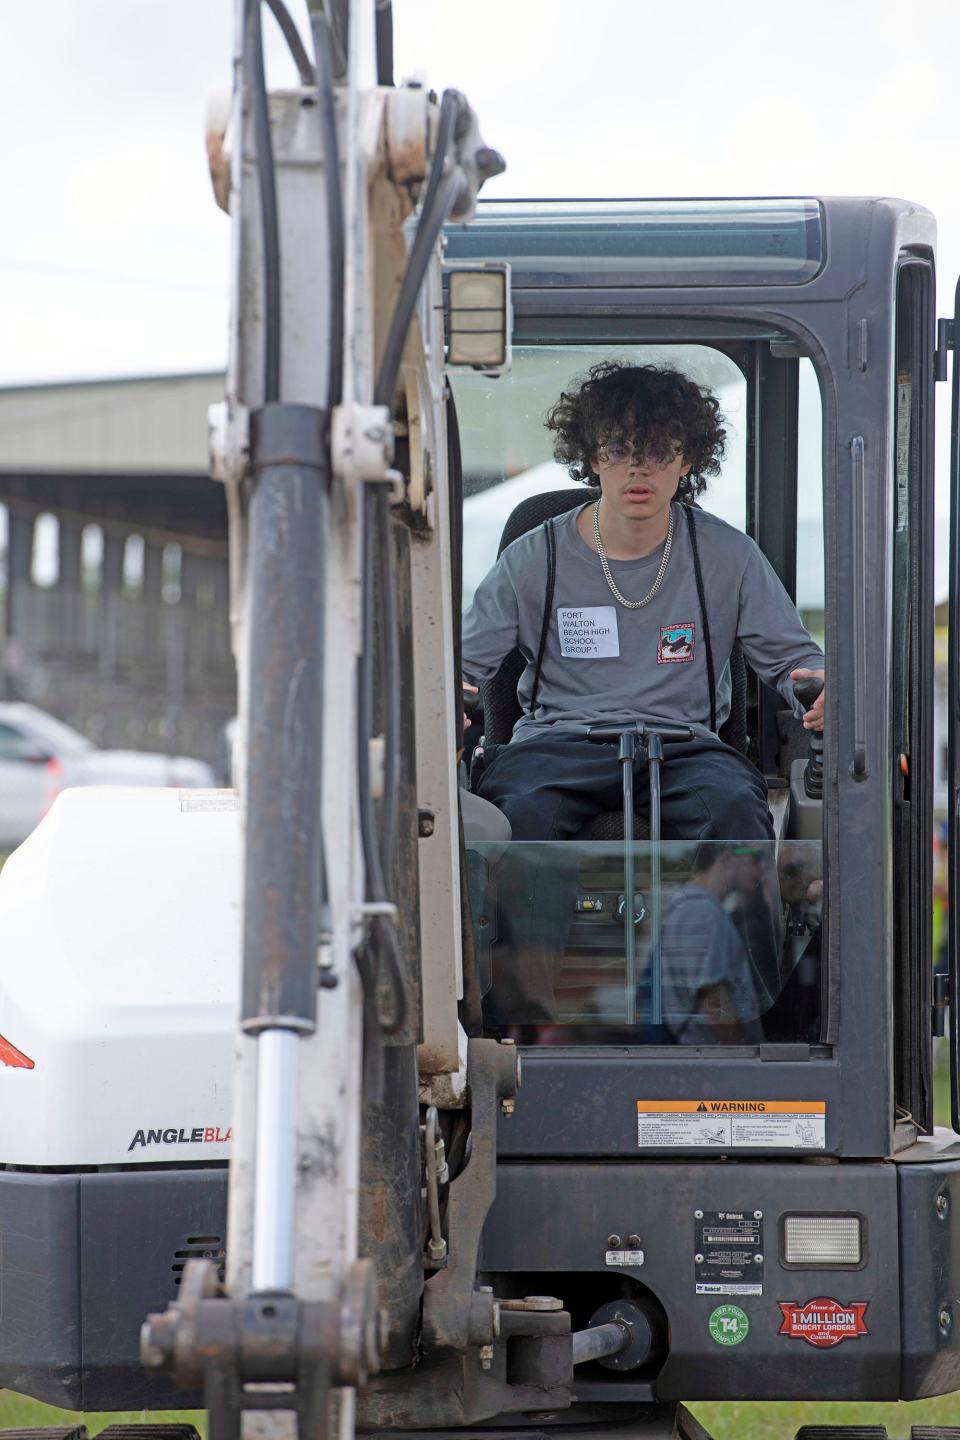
(649, 598)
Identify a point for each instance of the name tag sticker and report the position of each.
(589, 633)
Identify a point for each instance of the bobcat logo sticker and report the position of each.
(676, 644)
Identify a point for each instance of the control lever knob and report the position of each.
(807, 691)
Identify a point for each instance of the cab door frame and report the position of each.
(911, 681)
(953, 726)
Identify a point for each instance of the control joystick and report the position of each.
(807, 692)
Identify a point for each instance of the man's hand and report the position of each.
(468, 690)
(813, 718)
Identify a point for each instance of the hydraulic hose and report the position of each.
(391, 687)
(322, 46)
(377, 889)
(384, 24)
(322, 76)
(452, 106)
(267, 186)
(295, 45)
(336, 14)
(441, 195)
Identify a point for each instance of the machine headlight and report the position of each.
(822, 1240)
(479, 316)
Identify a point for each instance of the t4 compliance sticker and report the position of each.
(729, 1325)
(731, 1124)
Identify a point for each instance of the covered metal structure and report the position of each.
(115, 614)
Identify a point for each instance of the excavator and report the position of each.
(291, 1128)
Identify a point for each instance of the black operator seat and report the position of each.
(501, 708)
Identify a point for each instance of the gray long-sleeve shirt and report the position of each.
(604, 662)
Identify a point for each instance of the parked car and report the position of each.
(40, 756)
(226, 760)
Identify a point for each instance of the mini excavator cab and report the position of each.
(769, 1198)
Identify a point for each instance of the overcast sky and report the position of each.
(113, 256)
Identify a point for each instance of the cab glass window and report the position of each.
(810, 585)
(680, 943)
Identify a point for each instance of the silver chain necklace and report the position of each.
(632, 604)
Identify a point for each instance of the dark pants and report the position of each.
(551, 789)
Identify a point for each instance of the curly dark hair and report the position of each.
(652, 408)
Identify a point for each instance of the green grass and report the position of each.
(16, 1410)
(780, 1419)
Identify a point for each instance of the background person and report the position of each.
(712, 991)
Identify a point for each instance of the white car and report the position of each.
(40, 756)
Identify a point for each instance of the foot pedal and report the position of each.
(45, 1432)
(175, 1430)
(842, 1432)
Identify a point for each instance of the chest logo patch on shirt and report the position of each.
(589, 633)
(676, 644)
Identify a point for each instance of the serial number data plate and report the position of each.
(729, 1252)
(731, 1124)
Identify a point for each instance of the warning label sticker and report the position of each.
(729, 1252)
(732, 1124)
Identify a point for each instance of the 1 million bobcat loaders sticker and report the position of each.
(731, 1124)
(823, 1322)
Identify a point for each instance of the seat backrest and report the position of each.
(501, 708)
